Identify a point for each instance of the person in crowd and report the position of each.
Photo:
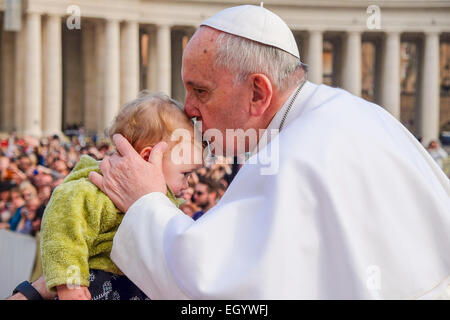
(25, 164)
(27, 189)
(187, 194)
(17, 204)
(189, 207)
(60, 166)
(30, 223)
(4, 165)
(205, 195)
(222, 187)
(42, 179)
(14, 173)
(219, 170)
(437, 153)
(5, 204)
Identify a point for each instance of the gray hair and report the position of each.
(244, 57)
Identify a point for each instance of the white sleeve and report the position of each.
(138, 246)
(221, 255)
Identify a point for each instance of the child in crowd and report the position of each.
(80, 221)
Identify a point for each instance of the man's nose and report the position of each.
(190, 110)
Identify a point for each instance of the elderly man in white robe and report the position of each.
(356, 208)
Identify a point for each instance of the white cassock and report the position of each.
(357, 210)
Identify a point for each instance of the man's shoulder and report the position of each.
(337, 103)
(335, 124)
(334, 111)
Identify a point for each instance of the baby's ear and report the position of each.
(145, 153)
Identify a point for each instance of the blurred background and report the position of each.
(68, 66)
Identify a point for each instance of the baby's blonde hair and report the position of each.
(149, 119)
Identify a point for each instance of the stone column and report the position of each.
(100, 75)
(72, 78)
(111, 72)
(52, 99)
(164, 68)
(129, 63)
(89, 77)
(33, 79)
(390, 74)
(7, 94)
(19, 80)
(315, 56)
(152, 61)
(351, 66)
(429, 97)
(178, 92)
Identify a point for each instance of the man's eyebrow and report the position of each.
(196, 84)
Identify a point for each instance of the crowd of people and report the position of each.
(439, 155)
(30, 169)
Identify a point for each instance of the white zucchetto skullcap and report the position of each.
(255, 23)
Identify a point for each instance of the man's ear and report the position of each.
(145, 153)
(261, 96)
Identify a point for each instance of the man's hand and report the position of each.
(80, 293)
(127, 177)
(4, 225)
(40, 286)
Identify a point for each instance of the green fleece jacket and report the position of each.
(78, 228)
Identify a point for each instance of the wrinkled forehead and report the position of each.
(200, 52)
(203, 42)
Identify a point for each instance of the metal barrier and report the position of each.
(17, 255)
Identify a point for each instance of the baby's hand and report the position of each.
(77, 293)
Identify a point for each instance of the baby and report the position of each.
(80, 221)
